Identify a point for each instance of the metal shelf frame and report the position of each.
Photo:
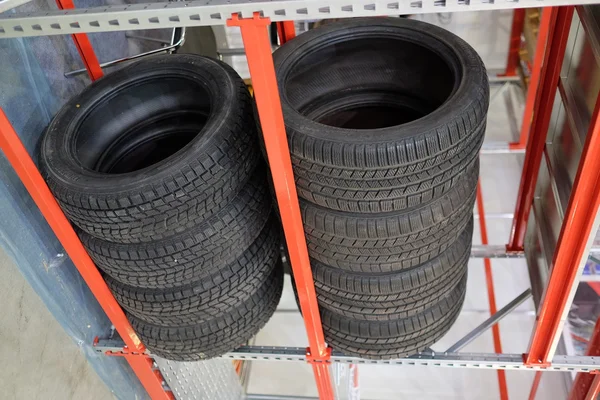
(565, 257)
(219, 12)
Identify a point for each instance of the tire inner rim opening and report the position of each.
(369, 83)
(142, 125)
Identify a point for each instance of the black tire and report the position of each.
(390, 241)
(191, 255)
(178, 176)
(387, 351)
(410, 190)
(386, 331)
(217, 336)
(424, 88)
(212, 295)
(369, 296)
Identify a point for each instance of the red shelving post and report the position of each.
(546, 27)
(23, 165)
(575, 235)
(260, 62)
(286, 31)
(512, 61)
(586, 386)
(84, 47)
(535, 385)
(558, 19)
(489, 280)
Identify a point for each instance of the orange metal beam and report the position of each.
(535, 385)
(286, 31)
(574, 237)
(594, 389)
(512, 61)
(84, 47)
(558, 19)
(546, 27)
(262, 71)
(23, 165)
(586, 384)
(149, 377)
(489, 280)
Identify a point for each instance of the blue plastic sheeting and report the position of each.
(32, 89)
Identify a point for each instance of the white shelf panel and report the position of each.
(8, 4)
(216, 12)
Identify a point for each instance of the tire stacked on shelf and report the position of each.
(159, 168)
(385, 118)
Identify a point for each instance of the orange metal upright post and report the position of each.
(512, 61)
(586, 386)
(575, 235)
(84, 47)
(286, 31)
(23, 165)
(559, 21)
(546, 27)
(489, 279)
(535, 385)
(264, 82)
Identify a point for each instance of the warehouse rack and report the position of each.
(563, 256)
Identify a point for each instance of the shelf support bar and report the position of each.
(488, 323)
(262, 72)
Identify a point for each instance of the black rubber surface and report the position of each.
(392, 295)
(397, 330)
(390, 241)
(193, 254)
(401, 193)
(386, 351)
(152, 149)
(394, 339)
(381, 113)
(212, 295)
(216, 336)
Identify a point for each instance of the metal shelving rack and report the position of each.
(563, 256)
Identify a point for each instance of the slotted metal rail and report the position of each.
(218, 12)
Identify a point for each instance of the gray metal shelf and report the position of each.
(216, 12)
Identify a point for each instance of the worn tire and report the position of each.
(342, 67)
(193, 254)
(189, 176)
(210, 296)
(216, 336)
(390, 241)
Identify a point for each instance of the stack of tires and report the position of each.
(158, 166)
(385, 118)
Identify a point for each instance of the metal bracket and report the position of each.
(115, 347)
(326, 359)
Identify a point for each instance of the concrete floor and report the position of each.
(39, 360)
